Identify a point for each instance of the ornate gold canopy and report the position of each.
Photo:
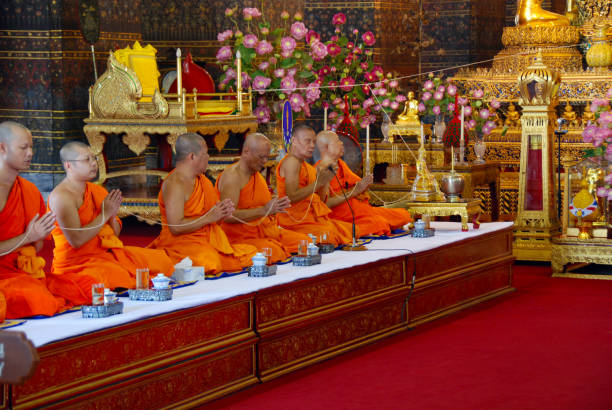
(538, 85)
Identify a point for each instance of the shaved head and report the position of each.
(9, 130)
(324, 138)
(255, 139)
(302, 130)
(71, 151)
(187, 144)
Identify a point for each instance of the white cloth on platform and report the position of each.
(44, 331)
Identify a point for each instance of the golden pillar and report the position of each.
(536, 222)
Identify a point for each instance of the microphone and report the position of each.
(354, 246)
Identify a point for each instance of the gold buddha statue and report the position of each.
(570, 116)
(585, 206)
(513, 117)
(530, 13)
(410, 115)
(588, 115)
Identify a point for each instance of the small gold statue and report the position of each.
(530, 13)
(588, 116)
(570, 116)
(513, 117)
(585, 205)
(425, 187)
(410, 115)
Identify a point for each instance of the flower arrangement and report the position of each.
(276, 62)
(599, 134)
(439, 98)
(346, 68)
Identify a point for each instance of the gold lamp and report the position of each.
(536, 222)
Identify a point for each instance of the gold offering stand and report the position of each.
(116, 107)
(567, 249)
(465, 208)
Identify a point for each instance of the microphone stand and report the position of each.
(354, 246)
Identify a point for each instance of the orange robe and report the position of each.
(370, 220)
(266, 233)
(22, 279)
(104, 259)
(208, 246)
(317, 218)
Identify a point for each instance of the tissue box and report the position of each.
(188, 274)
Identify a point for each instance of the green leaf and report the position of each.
(307, 59)
(288, 63)
(342, 41)
(305, 74)
(278, 32)
(245, 54)
(276, 84)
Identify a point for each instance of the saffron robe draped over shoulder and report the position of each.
(316, 218)
(266, 233)
(371, 220)
(208, 246)
(103, 259)
(22, 279)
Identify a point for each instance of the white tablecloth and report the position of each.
(43, 331)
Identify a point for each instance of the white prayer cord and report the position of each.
(314, 188)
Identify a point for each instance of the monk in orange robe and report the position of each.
(254, 220)
(369, 219)
(87, 245)
(24, 223)
(304, 184)
(191, 211)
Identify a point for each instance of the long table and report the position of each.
(219, 336)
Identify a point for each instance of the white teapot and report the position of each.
(259, 259)
(161, 281)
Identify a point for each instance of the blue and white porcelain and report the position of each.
(161, 281)
(259, 259)
(313, 249)
(419, 225)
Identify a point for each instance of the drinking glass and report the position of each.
(142, 278)
(303, 247)
(324, 238)
(97, 294)
(267, 252)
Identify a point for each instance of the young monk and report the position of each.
(87, 245)
(246, 187)
(304, 184)
(24, 223)
(369, 219)
(191, 212)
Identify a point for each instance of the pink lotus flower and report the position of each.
(319, 51)
(394, 105)
(279, 72)
(272, 60)
(462, 100)
(264, 47)
(298, 16)
(438, 95)
(338, 19)
(312, 36)
(598, 102)
(478, 93)
(382, 91)
(484, 113)
(323, 71)
(333, 49)
(229, 12)
(227, 34)
(589, 133)
(288, 84)
(603, 133)
(468, 110)
(230, 74)
(451, 90)
(298, 30)
(288, 44)
(265, 31)
(246, 80)
(364, 123)
(260, 83)
(450, 107)
(386, 103)
(292, 72)
(348, 60)
(313, 92)
(250, 41)
(368, 38)
(364, 66)
(436, 110)
(224, 53)
(422, 107)
(429, 85)
(346, 84)
(350, 45)
(297, 102)
(602, 192)
(332, 115)
(608, 178)
(609, 93)
(332, 84)
(426, 96)
(262, 113)
(441, 89)
(393, 83)
(400, 98)
(491, 125)
(285, 15)
(337, 101)
(471, 124)
(605, 118)
(495, 104)
(263, 66)
(250, 12)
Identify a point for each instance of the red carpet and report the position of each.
(546, 346)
